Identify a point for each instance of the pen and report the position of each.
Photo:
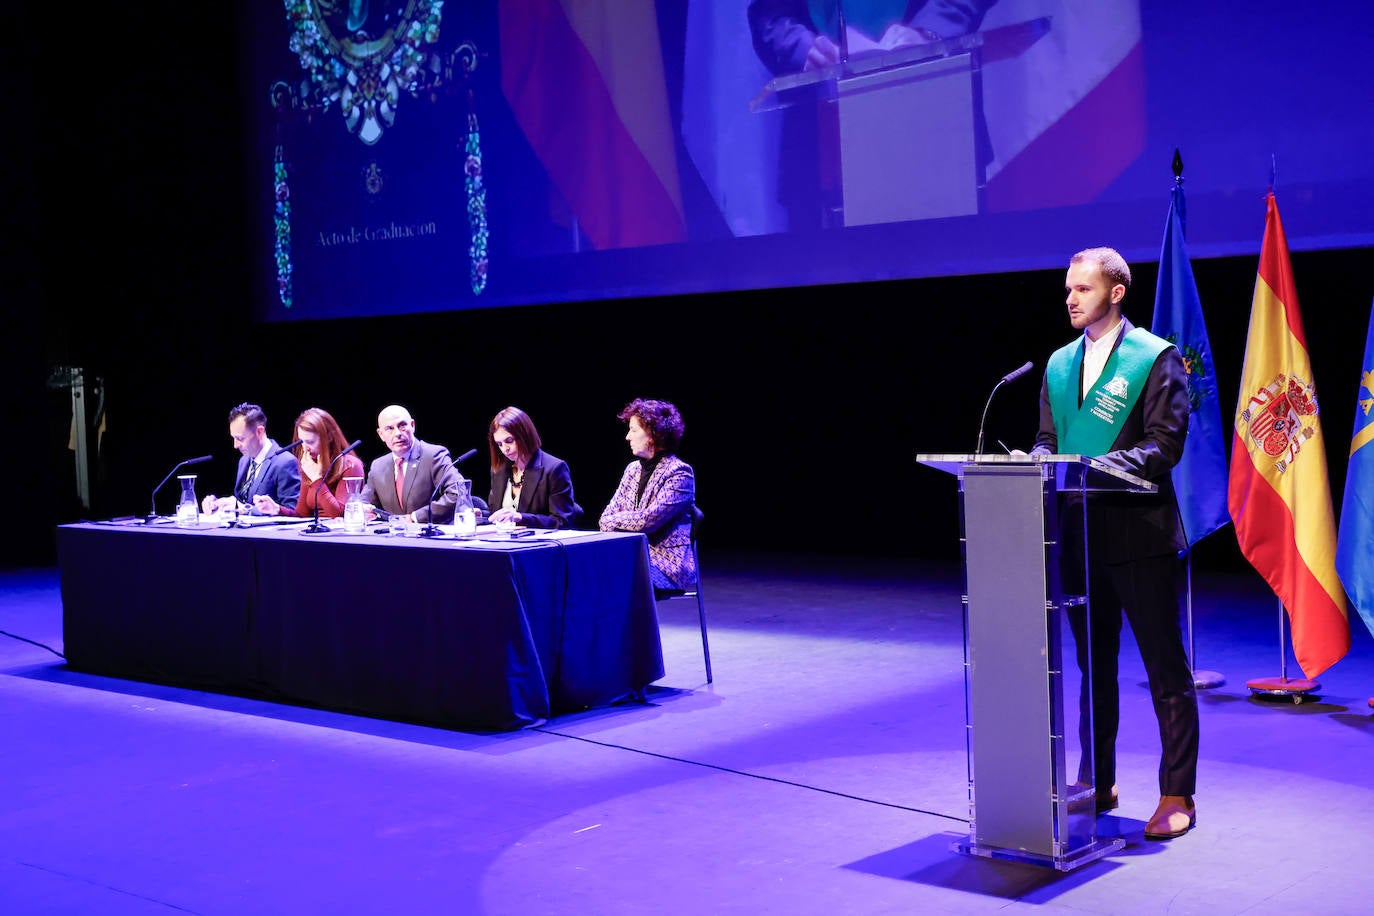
(1004, 446)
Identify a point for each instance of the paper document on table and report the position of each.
(257, 521)
(859, 42)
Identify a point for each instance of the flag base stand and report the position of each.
(1204, 679)
(1282, 687)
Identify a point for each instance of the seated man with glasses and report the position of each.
(403, 481)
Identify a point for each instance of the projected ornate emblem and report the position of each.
(372, 179)
(363, 54)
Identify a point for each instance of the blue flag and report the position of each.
(1355, 543)
(1200, 475)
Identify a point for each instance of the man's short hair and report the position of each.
(252, 414)
(1111, 263)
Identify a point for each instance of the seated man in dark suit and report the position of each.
(264, 469)
(403, 481)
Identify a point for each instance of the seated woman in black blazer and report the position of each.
(529, 486)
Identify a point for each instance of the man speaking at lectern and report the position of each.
(794, 35)
(1120, 394)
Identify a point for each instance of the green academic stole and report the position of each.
(872, 17)
(1090, 428)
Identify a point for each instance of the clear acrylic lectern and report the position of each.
(1023, 804)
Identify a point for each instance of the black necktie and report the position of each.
(248, 479)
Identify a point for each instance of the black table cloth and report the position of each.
(486, 635)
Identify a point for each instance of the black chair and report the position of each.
(664, 594)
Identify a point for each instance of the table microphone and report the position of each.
(315, 527)
(274, 453)
(152, 510)
(1009, 377)
(286, 448)
(432, 530)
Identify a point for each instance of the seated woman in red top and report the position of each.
(321, 441)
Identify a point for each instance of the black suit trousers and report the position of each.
(1147, 590)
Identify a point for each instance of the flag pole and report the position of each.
(1200, 472)
(1281, 686)
(1283, 645)
(1201, 679)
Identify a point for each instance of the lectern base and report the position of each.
(1089, 852)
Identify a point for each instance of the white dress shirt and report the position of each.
(1095, 355)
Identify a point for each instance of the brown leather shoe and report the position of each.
(1102, 802)
(1174, 817)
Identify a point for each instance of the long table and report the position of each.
(482, 635)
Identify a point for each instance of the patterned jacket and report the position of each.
(664, 514)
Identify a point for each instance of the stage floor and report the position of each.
(823, 772)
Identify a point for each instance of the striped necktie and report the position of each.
(246, 488)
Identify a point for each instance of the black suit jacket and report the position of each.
(1126, 526)
(546, 493)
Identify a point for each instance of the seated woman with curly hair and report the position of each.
(657, 493)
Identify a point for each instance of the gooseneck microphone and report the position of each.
(315, 527)
(843, 30)
(1009, 377)
(282, 448)
(152, 507)
(432, 530)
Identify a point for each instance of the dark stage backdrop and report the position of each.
(804, 404)
(801, 422)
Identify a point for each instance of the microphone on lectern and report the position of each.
(1009, 377)
(1017, 373)
(152, 508)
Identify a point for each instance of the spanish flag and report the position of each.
(585, 81)
(1279, 494)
